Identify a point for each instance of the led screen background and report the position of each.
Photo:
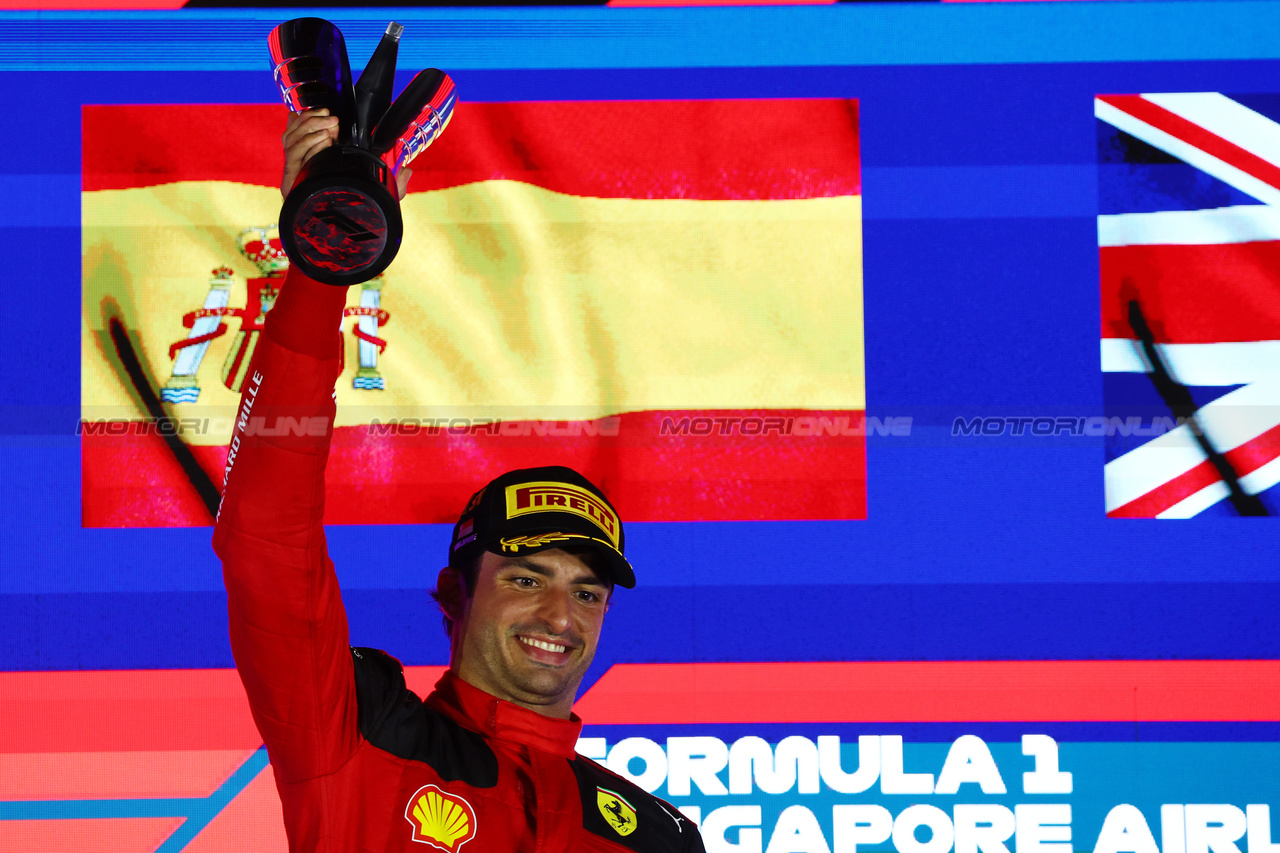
(985, 593)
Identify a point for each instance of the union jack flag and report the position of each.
(1189, 238)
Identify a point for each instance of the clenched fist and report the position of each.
(306, 135)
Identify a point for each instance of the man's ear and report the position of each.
(449, 593)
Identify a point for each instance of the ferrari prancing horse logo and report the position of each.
(617, 812)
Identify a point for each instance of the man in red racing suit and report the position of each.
(484, 763)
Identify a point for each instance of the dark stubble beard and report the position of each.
(531, 682)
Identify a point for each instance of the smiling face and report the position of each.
(529, 630)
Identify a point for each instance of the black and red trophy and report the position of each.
(341, 221)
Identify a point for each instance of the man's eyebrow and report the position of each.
(589, 580)
(530, 566)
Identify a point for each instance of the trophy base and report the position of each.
(341, 223)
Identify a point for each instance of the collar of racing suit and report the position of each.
(502, 720)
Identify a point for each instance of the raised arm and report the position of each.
(288, 625)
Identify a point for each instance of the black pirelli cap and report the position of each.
(537, 509)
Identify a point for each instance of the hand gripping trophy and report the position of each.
(341, 221)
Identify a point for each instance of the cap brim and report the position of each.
(620, 571)
(623, 575)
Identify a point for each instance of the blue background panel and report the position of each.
(980, 188)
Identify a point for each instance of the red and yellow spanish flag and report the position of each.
(665, 295)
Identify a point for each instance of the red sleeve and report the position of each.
(288, 625)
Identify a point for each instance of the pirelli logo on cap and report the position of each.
(525, 498)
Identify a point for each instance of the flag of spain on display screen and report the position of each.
(665, 295)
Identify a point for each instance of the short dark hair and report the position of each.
(468, 568)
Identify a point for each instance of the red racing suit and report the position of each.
(361, 763)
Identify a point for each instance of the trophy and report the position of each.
(341, 220)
